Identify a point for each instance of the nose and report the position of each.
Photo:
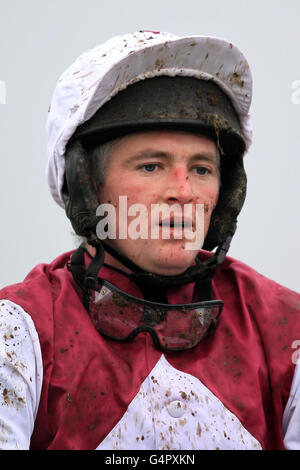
(178, 186)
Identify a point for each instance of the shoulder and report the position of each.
(250, 298)
(249, 281)
(273, 310)
(37, 294)
(36, 288)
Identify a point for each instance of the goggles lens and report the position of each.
(120, 316)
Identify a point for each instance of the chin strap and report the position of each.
(202, 273)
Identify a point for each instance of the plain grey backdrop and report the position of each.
(39, 39)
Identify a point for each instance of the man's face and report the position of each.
(161, 168)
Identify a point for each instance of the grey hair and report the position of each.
(98, 162)
(98, 159)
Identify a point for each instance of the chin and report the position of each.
(169, 271)
(172, 266)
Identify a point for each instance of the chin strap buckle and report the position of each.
(90, 282)
(223, 249)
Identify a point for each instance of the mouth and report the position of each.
(177, 222)
(176, 228)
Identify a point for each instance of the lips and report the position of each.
(177, 222)
(176, 227)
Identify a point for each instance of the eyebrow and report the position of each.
(150, 153)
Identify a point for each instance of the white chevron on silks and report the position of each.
(174, 410)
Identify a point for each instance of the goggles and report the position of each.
(174, 327)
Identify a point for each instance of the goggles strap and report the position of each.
(91, 274)
(76, 267)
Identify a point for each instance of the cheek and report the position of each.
(207, 190)
(209, 199)
(214, 189)
(124, 194)
(112, 190)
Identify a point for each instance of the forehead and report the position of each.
(168, 141)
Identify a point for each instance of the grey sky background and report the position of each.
(39, 39)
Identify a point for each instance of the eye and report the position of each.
(149, 167)
(201, 170)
